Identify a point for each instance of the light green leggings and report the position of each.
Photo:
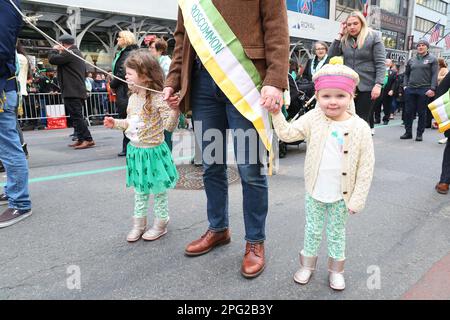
(160, 207)
(315, 219)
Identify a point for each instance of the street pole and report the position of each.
(409, 26)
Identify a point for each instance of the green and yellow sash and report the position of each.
(223, 56)
(440, 108)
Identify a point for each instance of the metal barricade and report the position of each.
(98, 106)
(39, 107)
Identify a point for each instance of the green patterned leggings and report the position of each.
(315, 219)
(160, 207)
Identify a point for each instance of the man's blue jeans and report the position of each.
(13, 157)
(416, 102)
(213, 114)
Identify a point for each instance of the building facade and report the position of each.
(95, 24)
(446, 53)
(427, 13)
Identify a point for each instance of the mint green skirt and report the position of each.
(151, 170)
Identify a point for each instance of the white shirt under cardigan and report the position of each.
(328, 184)
(358, 162)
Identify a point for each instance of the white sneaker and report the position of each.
(443, 141)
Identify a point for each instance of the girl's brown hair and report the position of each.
(147, 69)
(442, 63)
(161, 46)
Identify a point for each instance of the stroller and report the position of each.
(302, 101)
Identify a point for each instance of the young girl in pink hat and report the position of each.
(338, 167)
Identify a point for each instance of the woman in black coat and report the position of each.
(127, 43)
(319, 59)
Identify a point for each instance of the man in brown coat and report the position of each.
(261, 27)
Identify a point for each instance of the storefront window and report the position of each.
(389, 38)
(354, 4)
(392, 6)
(401, 41)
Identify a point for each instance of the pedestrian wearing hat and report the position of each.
(420, 84)
(338, 167)
(71, 76)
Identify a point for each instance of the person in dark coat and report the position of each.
(71, 71)
(444, 181)
(387, 94)
(127, 43)
(399, 94)
(294, 92)
(319, 59)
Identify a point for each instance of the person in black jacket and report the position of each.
(295, 105)
(127, 43)
(387, 94)
(319, 59)
(71, 71)
(399, 94)
(444, 181)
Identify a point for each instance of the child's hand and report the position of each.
(275, 111)
(350, 211)
(108, 122)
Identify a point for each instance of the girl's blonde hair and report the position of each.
(147, 69)
(365, 30)
(128, 37)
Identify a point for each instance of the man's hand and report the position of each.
(430, 93)
(108, 122)
(391, 93)
(172, 99)
(271, 98)
(58, 47)
(376, 91)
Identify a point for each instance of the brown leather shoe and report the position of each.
(207, 242)
(442, 188)
(75, 144)
(85, 144)
(254, 262)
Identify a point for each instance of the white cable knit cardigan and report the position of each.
(359, 159)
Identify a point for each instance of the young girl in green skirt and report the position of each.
(150, 167)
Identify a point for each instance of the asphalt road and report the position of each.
(74, 247)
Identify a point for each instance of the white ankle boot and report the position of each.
(307, 266)
(158, 229)
(139, 225)
(336, 277)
